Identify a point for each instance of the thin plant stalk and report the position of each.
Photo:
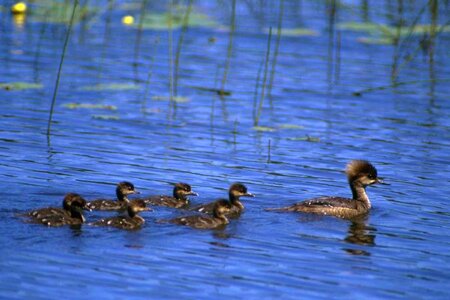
(147, 83)
(180, 43)
(331, 7)
(263, 88)
(277, 46)
(255, 94)
(230, 46)
(170, 48)
(137, 45)
(434, 16)
(337, 67)
(396, 39)
(63, 55)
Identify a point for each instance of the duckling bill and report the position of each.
(70, 214)
(360, 174)
(132, 221)
(235, 192)
(217, 220)
(179, 199)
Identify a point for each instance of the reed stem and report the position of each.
(63, 55)
(263, 88)
(277, 46)
(230, 46)
(180, 43)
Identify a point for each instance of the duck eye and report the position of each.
(370, 176)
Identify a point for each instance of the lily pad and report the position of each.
(48, 11)
(306, 139)
(376, 41)
(297, 32)
(264, 128)
(90, 106)
(174, 20)
(290, 126)
(177, 99)
(384, 30)
(17, 86)
(112, 87)
(105, 117)
(368, 27)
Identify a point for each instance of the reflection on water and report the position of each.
(115, 120)
(360, 234)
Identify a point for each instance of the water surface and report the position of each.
(313, 122)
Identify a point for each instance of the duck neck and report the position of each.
(221, 217)
(359, 194)
(234, 200)
(179, 196)
(131, 213)
(77, 215)
(121, 197)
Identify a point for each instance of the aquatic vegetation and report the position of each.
(264, 128)
(17, 86)
(48, 11)
(19, 8)
(290, 126)
(297, 32)
(105, 117)
(128, 20)
(276, 128)
(112, 87)
(382, 34)
(177, 99)
(376, 41)
(90, 106)
(174, 19)
(306, 138)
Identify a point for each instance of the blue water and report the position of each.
(316, 125)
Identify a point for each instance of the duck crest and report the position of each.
(357, 168)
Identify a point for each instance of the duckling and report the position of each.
(70, 214)
(123, 189)
(235, 191)
(218, 218)
(131, 222)
(180, 199)
(360, 174)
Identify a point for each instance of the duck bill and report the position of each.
(191, 193)
(381, 181)
(136, 192)
(249, 195)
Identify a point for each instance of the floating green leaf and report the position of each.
(90, 106)
(369, 27)
(112, 87)
(105, 117)
(384, 30)
(177, 99)
(174, 20)
(305, 138)
(376, 41)
(290, 126)
(17, 86)
(297, 32)
(264, 128)
(60, 12)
